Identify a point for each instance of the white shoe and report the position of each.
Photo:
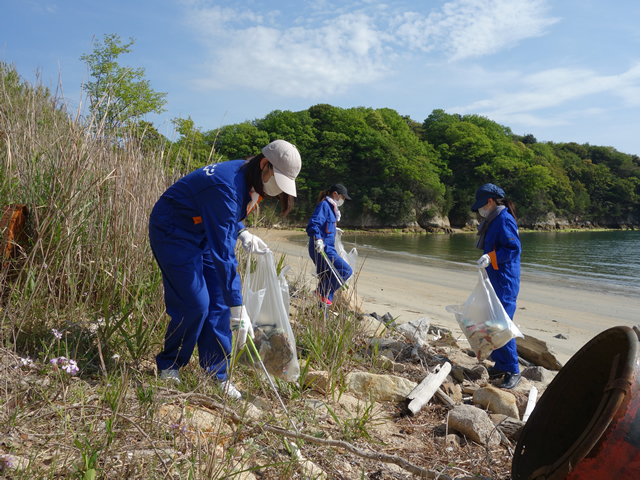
(230, 390)
(170, 374)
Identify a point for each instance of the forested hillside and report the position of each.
(401, 171)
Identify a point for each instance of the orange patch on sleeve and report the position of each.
(197, 220)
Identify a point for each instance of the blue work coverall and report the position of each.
(502, 244)
(323, 225)
(193, 231)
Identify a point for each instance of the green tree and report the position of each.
(191, 150)
(118, 94)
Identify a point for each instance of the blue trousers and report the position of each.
(193, 298)
(328, 283)
(506, 357)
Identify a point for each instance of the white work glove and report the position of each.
(319, 245)
(241, 324)
(252, 244)
(484, 261)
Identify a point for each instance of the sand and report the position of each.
(409, 291)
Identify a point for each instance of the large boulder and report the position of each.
(380, 388)
(474, 424)
(430, 218)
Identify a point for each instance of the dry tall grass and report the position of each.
(89, 193)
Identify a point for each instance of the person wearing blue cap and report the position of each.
(322, 234)
(193, 231)
(500, 242)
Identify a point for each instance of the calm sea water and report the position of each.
(608, 261)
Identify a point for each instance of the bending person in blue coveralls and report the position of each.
(500, 242)
(193, 230)
(322, 234)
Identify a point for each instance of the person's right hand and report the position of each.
(319, 245)
(252, 243)
(484, 261)
(241, 323)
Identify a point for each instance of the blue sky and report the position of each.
(563, 71)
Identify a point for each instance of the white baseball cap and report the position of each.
(286, 162)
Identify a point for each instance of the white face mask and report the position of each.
(483, 213)
(340, 202)
(271, 188)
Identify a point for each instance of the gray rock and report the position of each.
(386, 344)
(538, 374)
(479, 372)
(474, 424)
(380, 388)
(497, 401)
(387, 319)
(560, 336)
(416, 331)
(457, 372)
(537, 352)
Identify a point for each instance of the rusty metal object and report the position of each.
(586, 426)
(12, 224)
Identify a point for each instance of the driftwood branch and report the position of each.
(446, 400)
(427, 388)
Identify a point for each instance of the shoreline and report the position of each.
(454, 231)
(410, 290)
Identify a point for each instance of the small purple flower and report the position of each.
(71, 368)
(68, 365)
(58, 361)
(56, 333)
(26, 362)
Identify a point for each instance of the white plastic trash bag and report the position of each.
(351, 258)
(274, 338)
(483, 319)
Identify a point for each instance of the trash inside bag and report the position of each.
(351, 258)
(483, 319)
(275, 349)
(269, 315)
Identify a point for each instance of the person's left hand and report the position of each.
(484, 261)
(252, 243)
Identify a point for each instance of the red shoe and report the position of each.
(324, 300)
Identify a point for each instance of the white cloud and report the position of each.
(472, 28)
(334, 48)
(43, 7)
(553, 88)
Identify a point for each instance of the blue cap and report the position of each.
(484, 193)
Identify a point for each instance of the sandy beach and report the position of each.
(413, 290)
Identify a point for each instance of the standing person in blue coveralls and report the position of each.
(500, 242)
(322, 234)
(193, 230)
